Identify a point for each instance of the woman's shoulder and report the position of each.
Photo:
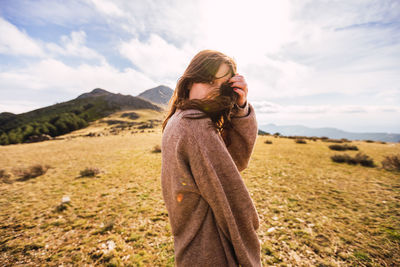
(190, 121)
(191, 111)
(186, 115)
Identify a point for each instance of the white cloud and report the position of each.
(320, 58)
(272, 78)
(353, 118)
(246, 29)
(18, 106)
(15, 42)
(156, 58)
(74, 45)
(271, 107)
(290, 48)
(55, 75)
(108, 8)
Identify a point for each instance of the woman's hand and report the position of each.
(240, 87)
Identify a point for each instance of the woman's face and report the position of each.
(200, 90)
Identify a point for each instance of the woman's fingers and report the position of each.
(236, 78)
(241, 85)
(240, 92)
(238, 81)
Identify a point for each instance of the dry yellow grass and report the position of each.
(313, 212)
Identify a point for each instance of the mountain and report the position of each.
(6, 116)
(334, 133)
(67, 116)
(159, 95)
(95, 92)
(119, 100)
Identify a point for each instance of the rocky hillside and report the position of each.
(159, 95)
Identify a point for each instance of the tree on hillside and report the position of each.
(4, 139)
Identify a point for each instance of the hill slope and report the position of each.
(67, 116)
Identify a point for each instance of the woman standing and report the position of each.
(213, 218)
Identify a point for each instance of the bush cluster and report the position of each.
(89, 172)
(4, 177)
(343, 147)
(33, 171)
(313, 138)
(391, 163)
(334, 140)
(156, 149)
(360, 158)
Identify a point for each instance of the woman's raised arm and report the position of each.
(243, 136)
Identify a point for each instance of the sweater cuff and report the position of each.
(241, 111)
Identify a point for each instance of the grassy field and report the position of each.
(313, 212)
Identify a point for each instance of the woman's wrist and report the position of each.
(244, 105)
(242, 111)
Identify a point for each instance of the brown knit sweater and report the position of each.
(213, 218)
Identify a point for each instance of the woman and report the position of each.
(213, 218)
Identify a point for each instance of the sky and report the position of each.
(313, 63)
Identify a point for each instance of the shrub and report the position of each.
(3, 174)
(130, 115)
(391, 163)
(333, 140)
(342, 158)
(61, 207)
(4, 139)
(4, 177)
(300, 141)
(369, 141)
(360, 158)
(268, 142)
(343, 147)
(337, 147)
(364, 160)
(89, 172)
(156, 149)
(31, 172)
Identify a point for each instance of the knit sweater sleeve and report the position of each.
(243, 135)
(220, 184)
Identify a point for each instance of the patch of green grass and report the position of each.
(361, 255)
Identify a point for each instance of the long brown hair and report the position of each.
(218, 104)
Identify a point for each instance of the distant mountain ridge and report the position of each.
(160, 94)
(328, 132)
